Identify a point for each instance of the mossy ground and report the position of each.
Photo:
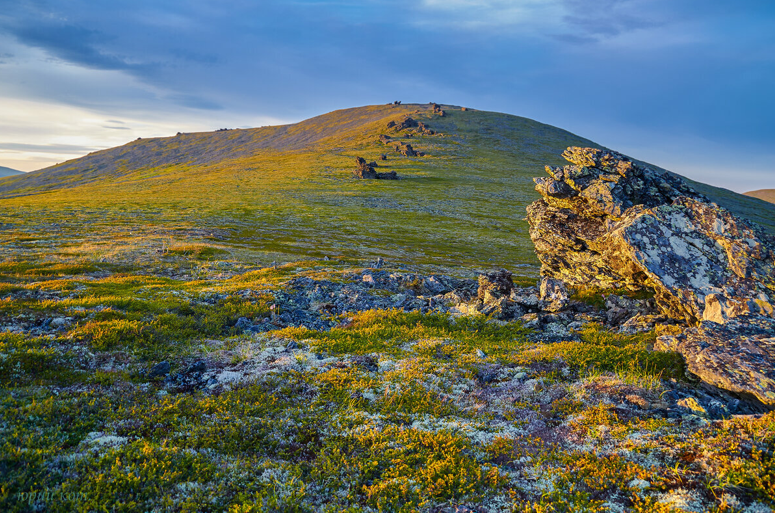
(390, 411)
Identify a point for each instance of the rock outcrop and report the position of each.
(737, 357)
(406, 123)
(606, 222)
(366, 170)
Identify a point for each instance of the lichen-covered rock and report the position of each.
(607, 222)
(554, 294)
(737, 356)
(494, 285)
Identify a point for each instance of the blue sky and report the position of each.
(684, 84)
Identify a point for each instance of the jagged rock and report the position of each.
(528, 298)
(406, 123)
(620, 308)
(384, 138)
(736, 356)
(366, 170)
(424, 129)
(641, 323)
(494, 285)
(159, 369)
(407, 150)
(553, 294)
(607, 222)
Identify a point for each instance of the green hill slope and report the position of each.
(279, 193)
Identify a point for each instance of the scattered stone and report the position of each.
(406, 123)
(691, 404)
(58, 322)
(407, 150)
(197, 367)
(159, 369)
(366, 170)
(494, 285)
(553, 294)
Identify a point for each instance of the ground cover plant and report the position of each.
(185, 333)
(388, 410)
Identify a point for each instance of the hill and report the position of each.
(281, 193)
(5, 171)
(154, 358)
(766, 195)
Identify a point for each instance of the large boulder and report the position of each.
(737, 356)
(605, 221)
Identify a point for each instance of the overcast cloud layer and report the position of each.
(685, 84)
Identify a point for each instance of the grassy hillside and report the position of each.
(282, 193)
(766, 195)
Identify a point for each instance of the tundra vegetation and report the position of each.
(129, 380)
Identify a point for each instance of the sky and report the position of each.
(687, 85)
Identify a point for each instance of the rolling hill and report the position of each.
(6, 172)
(281, 193)
(767, 195)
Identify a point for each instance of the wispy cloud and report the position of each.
(49, 149)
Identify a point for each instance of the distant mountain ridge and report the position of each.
(7, 172)
(767, 195)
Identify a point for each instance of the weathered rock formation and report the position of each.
(437, 109)
(607, 222)
(407, 150)
(406, 123)
(366, 170)
(737, 356)
(424, 129)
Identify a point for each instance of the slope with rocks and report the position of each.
(281, 193)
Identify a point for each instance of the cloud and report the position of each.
(50, 148)
(71, 43)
